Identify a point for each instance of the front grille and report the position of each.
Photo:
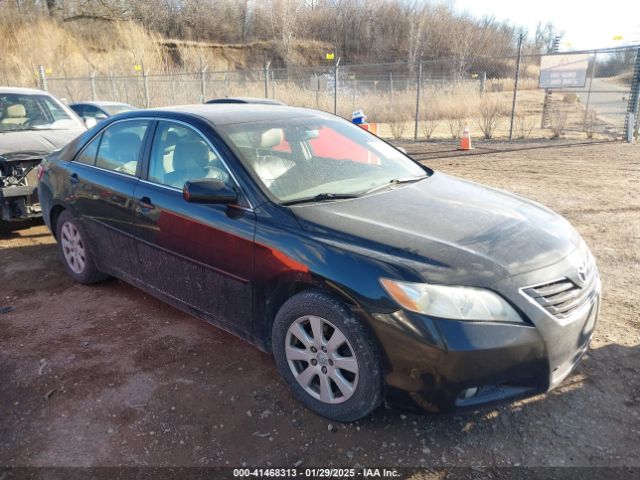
(562, 297)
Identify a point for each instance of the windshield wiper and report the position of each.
(321, 197)
(394, 181)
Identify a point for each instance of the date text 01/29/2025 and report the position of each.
(316, 473)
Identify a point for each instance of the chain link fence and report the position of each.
(432, 99)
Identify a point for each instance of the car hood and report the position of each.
(448, 230)
(36, 142)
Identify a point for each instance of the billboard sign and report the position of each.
(562, 71)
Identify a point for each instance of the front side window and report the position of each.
(121, 146)
(33, 112)
(303, 158)
(179, 154)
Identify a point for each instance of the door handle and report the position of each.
(74, 178)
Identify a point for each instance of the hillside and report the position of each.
(80, 47)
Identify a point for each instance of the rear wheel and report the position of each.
(75, 252)
(327, 357)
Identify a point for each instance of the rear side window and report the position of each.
(119, 150)
(88, 155)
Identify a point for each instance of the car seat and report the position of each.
(15, 114)
(122, 153)
(190, 159)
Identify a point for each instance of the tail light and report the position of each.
(40, 169)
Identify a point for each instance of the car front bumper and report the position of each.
(441, 365)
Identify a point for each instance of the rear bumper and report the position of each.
(442, 365)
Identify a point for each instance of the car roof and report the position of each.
(23, 91)
(255, 100)
(100, 103)
(230, 113)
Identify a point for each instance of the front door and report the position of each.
(199, 256)
(101, 183)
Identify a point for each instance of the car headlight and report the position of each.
(458, 303)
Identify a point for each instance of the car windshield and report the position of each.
(33, 112)
(319, 158)
(117, 108)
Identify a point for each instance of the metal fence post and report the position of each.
(203, 83)
(266, 78)
(335, 86)
(355, 89)
(43, 78)
(633, 107)
(593, 72)
(92, 79)
(114, 96)
(417, 120)
(273, 84)
(145, 86)
(483, 83)
(515, 87)
(173, 89)
(390, 87)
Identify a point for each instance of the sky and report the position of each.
(587, 24)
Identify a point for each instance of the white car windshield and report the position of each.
(318, 158)
(33, 112)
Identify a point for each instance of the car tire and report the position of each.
(74, 251)
(340, 380)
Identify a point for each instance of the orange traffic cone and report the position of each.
(465, 140)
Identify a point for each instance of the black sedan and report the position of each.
(368, 275)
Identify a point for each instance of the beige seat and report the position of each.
(15, 114)
(270, 167)
(189, 162)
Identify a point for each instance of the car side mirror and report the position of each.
(89, 122)
(209, 190)
(100, 116)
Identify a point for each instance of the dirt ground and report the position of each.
(106, 375)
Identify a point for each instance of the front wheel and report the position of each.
(327, 357)
(75, 252)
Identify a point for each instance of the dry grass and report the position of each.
(524, 124)
(490, 110)
(558, 121)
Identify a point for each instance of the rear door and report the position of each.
(197, 255)
(102, 180)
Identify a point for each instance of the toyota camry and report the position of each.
(370, 277)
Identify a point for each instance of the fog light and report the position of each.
(468, 393)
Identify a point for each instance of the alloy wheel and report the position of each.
(321, 359)
(73, 247)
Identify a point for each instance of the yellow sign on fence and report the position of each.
(137, 67)
(330, 56)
